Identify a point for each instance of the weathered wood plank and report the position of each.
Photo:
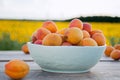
(8, 55)
(102, 71)
(102, 66)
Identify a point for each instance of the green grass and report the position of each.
(7, 44)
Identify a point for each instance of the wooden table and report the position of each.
(106, 69)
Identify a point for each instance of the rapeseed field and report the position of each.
(22, 30)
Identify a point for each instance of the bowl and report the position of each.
(66, 59)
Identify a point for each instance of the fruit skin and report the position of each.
(87, 42)
(41, 33)
(85, 34)
(51, 26)
(74, 35)
(52, 39)
(38, 42)
(33, 38)
(99, 38)
(66, 44)
(108, 50)
(25, 49)
(117, 46)
(87, 26)
(115, 54)
(16, 69)
(62, 31)
(76, 23)
(95, 31)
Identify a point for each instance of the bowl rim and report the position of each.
(65, 46)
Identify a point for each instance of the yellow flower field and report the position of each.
(22, 30)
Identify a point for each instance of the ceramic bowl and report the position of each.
(66, 59)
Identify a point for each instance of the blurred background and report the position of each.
(20, 18)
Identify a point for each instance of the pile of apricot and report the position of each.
(113, 51)
(77, 33)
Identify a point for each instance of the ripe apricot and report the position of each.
(74, 35)
(85, 34)
(76, 23)
(117, 46)
(115, 54)
(66, 44)
(62, 31)
(38, 42)
(87, 26)
(87, 42)
(41, 33)
(33, 37)
(108, 50)
(50, 25)
(95, 31)
(99, 38)
(16, 69)
(52, 39)
(25, 49)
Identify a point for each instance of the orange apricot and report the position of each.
(41, 33)
(85, 34)
(95, 31)
(87, 26)
(16, 69)
(62, 31)
(52, 39)
(25, 49)
(74, 35)
(76, 23)
(115, 54)
(50, 25)
(87, 42)
(117, 46)
(108, 50)
(99, 38)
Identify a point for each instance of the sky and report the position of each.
(57, 9)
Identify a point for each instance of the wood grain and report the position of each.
(8, 55)
(105, 69)
(102, 71)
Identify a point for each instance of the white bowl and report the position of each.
(66, 59)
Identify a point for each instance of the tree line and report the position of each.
(98, 19)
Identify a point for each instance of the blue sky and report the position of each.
(57, 9)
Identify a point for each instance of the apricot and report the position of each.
(99, 38)
(66, 44)
(25, 49)
(41, 33)
(74, 35)
(87, 26)
(87, 42)
(62, 31)
(76, 23)
(117, 46)
(108, 50)
(33, 37)
(16, 69)
(115, 54)
(52, 39)
(50, 25)
(85, 34)
(63, 37)
(95, 31)
(38, 42)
